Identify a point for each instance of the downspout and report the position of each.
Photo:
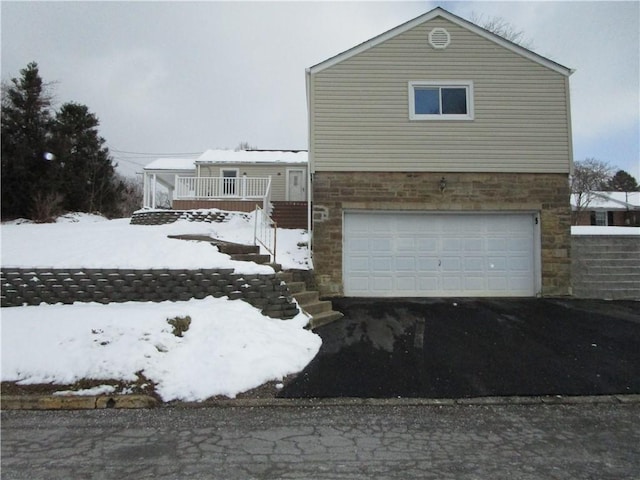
(309, 167)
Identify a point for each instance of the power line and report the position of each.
(151, 154)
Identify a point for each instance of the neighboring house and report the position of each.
(608, 209)
(235, 180)
(439, 156)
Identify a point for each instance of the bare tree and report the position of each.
(244, 146)
(500, 26)
(589, 176)
(131, 199)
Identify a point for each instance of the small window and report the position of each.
(440, 101)
(601, 219)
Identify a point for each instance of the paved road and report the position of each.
(591, 441)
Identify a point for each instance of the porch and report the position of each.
(192, 192)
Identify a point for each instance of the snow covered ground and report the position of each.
(230, 347)
(90, 241)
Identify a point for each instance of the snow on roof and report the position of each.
(611, 201)
(171, 164)
(253, 156)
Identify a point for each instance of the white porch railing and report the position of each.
(223, 188)
(265, 232)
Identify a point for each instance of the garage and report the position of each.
(399, 254)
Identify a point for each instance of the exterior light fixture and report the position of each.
(443, 184)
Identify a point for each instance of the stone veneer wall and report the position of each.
(464, 192)
(33, 286)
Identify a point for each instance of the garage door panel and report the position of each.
(451, 284)
(497, 284)
(406, 264)
(407, 254)
(382, 245)
(406, 244)
(382, 264)
(451, 244)
(358, 245)
(427, 245)
(472, 283)
(359, 264)
(474, 244)
(451, 264)
(382, 285)
(427, 264)
(474, 264)
(496, 244)
(406, 284)
(519, 264)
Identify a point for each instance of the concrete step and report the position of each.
(305, 298)
(251, 257)
(294, 287)
(236, 248)
(324, 318)
(317, 307)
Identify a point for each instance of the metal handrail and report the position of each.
(262, 232)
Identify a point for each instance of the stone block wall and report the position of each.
(29, 286)
(162, 217)
(420, 191)
(606, 266)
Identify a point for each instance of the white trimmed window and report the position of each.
(450, 100)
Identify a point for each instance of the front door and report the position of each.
(229, 177)
(296, 191)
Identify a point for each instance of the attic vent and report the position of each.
(439, 38)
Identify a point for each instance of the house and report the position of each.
(439, 156)
(275, 180)
(609, 209)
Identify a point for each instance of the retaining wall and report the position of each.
(606, 266)
(161, 217)
(29, 286)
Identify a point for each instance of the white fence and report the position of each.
(208, 188)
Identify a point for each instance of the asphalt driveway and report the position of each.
(450, 348)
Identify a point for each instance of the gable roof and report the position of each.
(171, 164)
(441, 12)
(227, 156)
(252, 156)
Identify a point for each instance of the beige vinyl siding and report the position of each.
(360, 109)
(277, 171)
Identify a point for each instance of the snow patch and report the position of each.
(230, 346)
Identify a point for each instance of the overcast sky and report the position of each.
(182, 77)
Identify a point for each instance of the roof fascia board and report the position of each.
(440, 12)
(267, 164)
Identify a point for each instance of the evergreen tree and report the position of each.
(50, 164)
(87, 179)
(26, 123)
(623, 182)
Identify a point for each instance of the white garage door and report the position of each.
(425, 255)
